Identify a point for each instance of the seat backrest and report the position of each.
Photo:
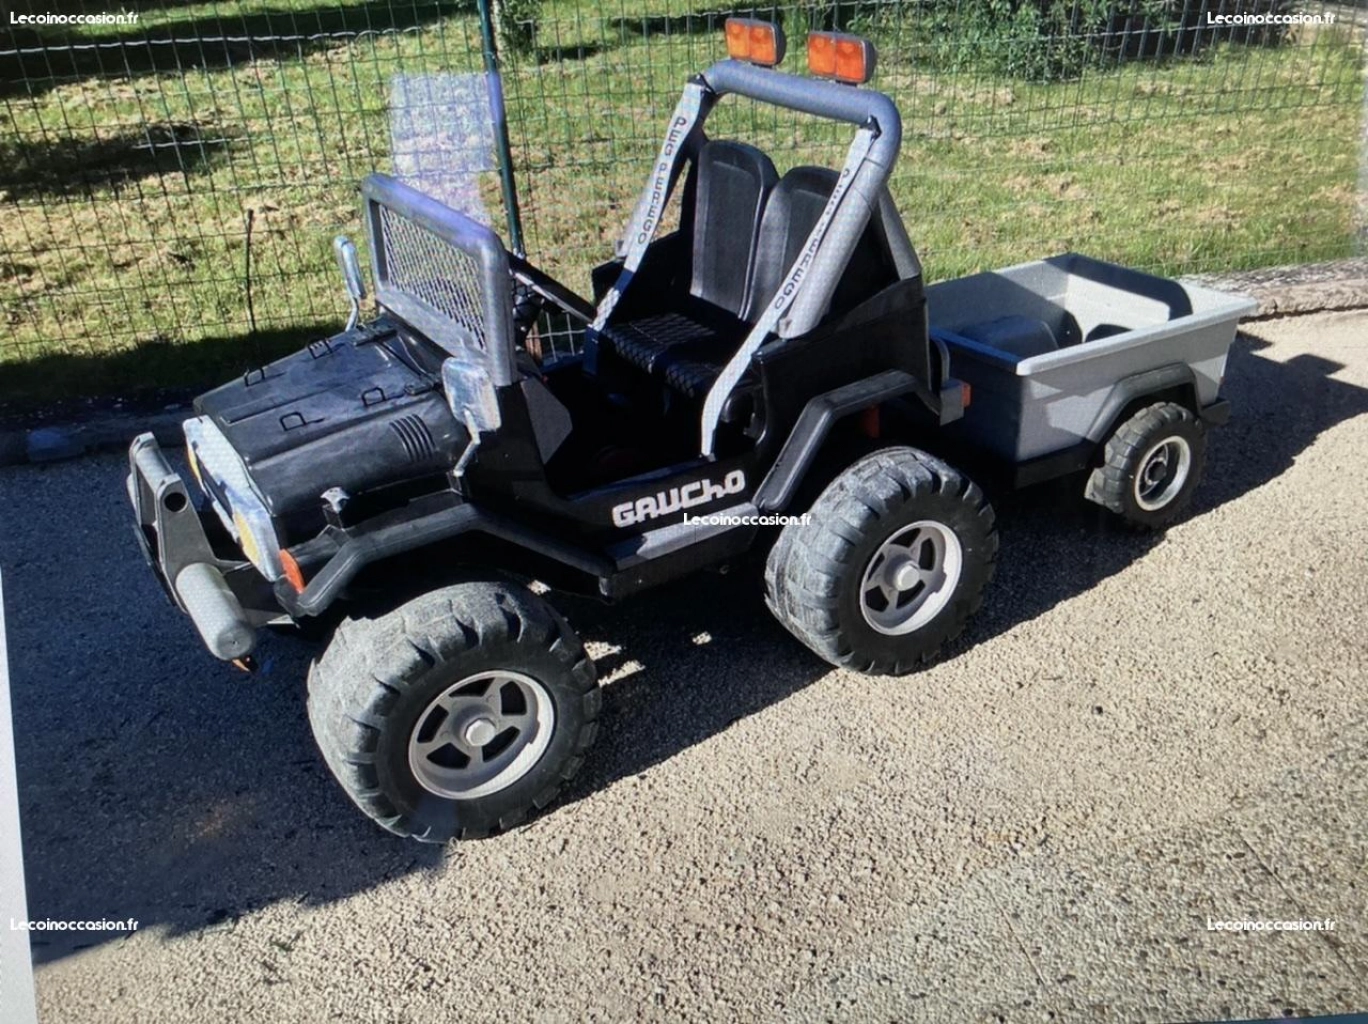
(794, 207)
(733, 182)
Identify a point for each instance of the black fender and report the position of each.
(426, 521)
(824, 410)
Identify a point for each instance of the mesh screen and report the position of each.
(421, 265)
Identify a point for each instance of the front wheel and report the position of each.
(1150, 466)
(890, 565)
(457, 714)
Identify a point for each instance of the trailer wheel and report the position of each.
(1150, 466)
(457, 714)
(890, 565)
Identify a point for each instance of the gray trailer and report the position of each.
(1074, 363)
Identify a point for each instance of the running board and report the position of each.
(679, 550)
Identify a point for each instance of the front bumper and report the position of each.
(207, 587)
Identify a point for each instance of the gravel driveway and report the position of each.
(1136, 735)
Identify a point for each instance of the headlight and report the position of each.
(233, 497)
(246, 541)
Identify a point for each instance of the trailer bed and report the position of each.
(1044, 346)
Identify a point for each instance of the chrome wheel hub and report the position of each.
(1162, 473)
(911, 578)
(481, 735)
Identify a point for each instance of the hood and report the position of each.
(358, 411)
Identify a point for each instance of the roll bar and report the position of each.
(802, 298)
(870, 111)
(814, 96)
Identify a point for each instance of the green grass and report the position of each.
(123, 249)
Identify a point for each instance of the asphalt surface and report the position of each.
(1135, 735)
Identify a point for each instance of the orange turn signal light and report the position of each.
(755, 41)
(292, 571)
(845, 58)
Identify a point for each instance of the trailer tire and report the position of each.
(1151, 465)
(457, 714)
(890, 565)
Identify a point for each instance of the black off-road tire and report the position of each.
(1118, 483)
(815, 571)
(378, 677)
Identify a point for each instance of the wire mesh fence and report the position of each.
(169, 188)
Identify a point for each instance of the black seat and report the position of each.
(734, 184)
(684, 349)
(793, 210)
(685, 345)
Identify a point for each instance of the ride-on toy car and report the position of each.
(774, 354)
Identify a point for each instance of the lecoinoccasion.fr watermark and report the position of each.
(760, 519)
(1270, 19)
(104, 18)
(1265, 925)
(128, 924)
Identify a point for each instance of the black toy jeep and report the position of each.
(772, 355)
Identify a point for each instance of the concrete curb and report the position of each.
(1284, 291)
(111, 432)
(1280, 291)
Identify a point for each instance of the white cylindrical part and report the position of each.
(216, 612)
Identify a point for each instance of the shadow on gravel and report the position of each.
(154, 782)
(1280, 408)
(694, 658)
(159, 784)
(1055, 545)
(688, 683)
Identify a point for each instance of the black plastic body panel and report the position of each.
(365, 411)
(423, 522)
(358, 411)
(885, 332)
(1073, 459)
(1217, 414)
(876, 351)
(821, 412)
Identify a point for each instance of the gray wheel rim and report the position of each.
(1162, 473)
(911, 578)
(481, 735)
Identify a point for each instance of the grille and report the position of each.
(414, 436)
(424, 266)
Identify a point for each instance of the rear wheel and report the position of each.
(891, 563)
(1150, 466)
(457, 714)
